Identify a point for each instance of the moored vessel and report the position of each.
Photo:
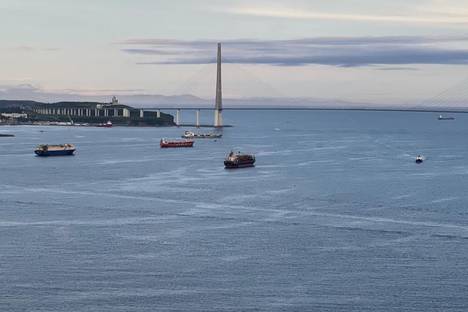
(193, 135)
(108, 124)
(419, 159)
(165, 143)
(445, 118)
(239, 160)
(55, 150)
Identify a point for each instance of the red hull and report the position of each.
(167, 144)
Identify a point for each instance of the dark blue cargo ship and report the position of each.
(55, 150)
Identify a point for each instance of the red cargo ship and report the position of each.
(175, 143)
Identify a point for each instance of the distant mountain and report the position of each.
(162, 101)
(32, 93)
(17, 103)
(155, 100)
(27, 93)
(18, 94)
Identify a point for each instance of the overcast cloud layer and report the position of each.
(338, 51)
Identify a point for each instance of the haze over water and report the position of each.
(336, 216)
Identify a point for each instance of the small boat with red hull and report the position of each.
(164, 143)
(234, 161)
(55, 150)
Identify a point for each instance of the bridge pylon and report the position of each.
(218, 117)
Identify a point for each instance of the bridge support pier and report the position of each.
(218, 118)
(177, 122)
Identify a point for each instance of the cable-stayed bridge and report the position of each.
(218, 109)
(452, 99)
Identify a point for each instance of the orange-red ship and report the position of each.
(164, 143)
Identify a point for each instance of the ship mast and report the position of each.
(218, 118)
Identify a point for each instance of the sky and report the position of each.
(367, 51)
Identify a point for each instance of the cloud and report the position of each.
(437, 17)
(398, 69)
(333, 51)
(150, 52)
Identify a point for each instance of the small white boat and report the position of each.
(445, 118)
(193, 135)
(419, 159)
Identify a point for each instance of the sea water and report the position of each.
(336, 216)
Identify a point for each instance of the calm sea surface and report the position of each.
(336, 216)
